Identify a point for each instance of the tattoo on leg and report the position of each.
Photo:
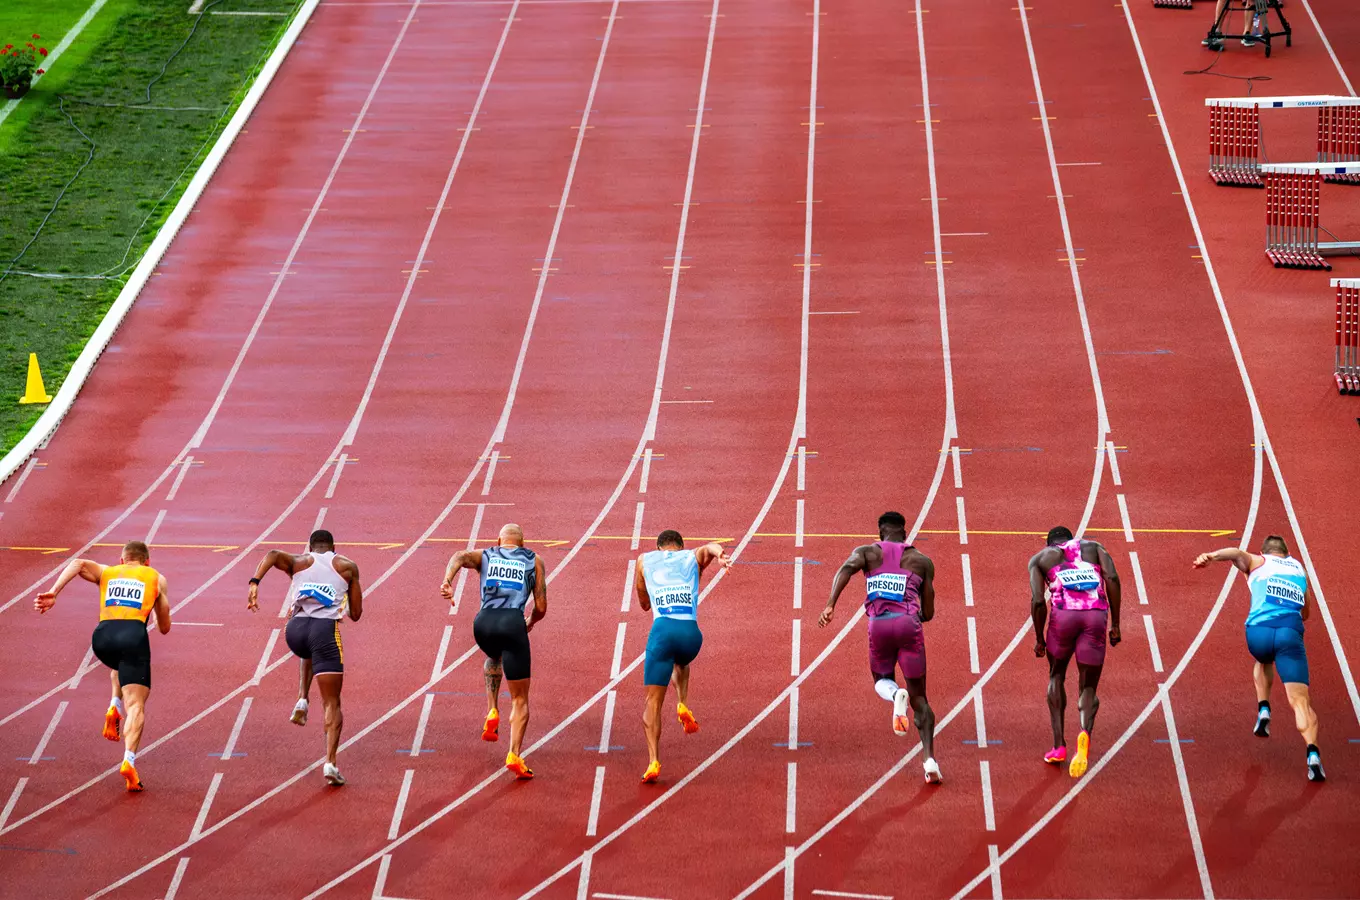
(492, 671)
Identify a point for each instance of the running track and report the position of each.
(556, 262)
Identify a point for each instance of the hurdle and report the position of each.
(1174, 4)
(1235, 135)
(1293, 215)
(1347, 335)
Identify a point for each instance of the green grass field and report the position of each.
(136, 163)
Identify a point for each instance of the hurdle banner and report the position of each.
(1347, 335)
(1235, 135)
(1294, 212)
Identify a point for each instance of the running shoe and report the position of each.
(112, 718)
(1262, 728)
(516, 764)
(1248, 42)
(901, 721)
(1056, 757)
(1315, 772)
(332, 775)
(299, 716)
(1077, 767)
(933, 772)
(686, 718)
(653, 772)
(1214, 41)
(491, 727)
(134, 781)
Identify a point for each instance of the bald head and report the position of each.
(512, 536)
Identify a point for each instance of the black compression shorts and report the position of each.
(502, 635)
(122, 645)
(319, 641)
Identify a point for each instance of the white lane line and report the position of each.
(471, 545)
(380, 885)
(85, 666)
(1124, 517)
(646, 470)
(980, 720)
(443, 651)
(155, 527)
(1138, 577)
(583, 885)
(798, 582)
(320, 517)
(958, 470)
(490, 471)
(996, 872)
(335, 477)
(1112, 456)
(607, 726)
(263, 666)
(798, 523)
(967, 579)
(793, 719)
(596, 795)
(618, 651)
(853, 896)
(1152, 643)
(973, 665)
(791, 800)
(399, 810)
(179, 478)
(12, 801)
(1184, 781)
(1330, 52)
(207, 805)
(51, 58)
(177, 879)
(789, 863)
(988, 812)
(637, 527)
(23, 476)
(47, 735)
(797, 642)
(628, 586)
(802, 467)
(236, 728)
(421, 724)
(963, 523)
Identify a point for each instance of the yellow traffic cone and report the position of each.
(35, 392)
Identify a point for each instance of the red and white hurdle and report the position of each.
(1174, 4)
(1347, 335)
(1235, 135)
(1294, 213)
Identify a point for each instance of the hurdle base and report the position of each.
(1342, 179)
(1297, 259)
(1237, 179)
(1174, 4)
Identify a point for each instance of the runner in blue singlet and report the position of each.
(667, 583)
(1280, 602)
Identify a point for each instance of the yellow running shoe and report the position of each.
(1077, 767)
(516, 764)
(129, 773)
(112, 718)
(686, 718)
(653, 772)
(491, 727)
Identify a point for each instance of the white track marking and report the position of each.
(403, 795)
(1113, 457)
(1261, 435)
(56, 52)
(596, 795)
(335, 476)
(263, 665)
(491, 470)
(177, 879)
(583, 886)
(791, 800)
(988, 812)
(646, 470)
(47, 735)
(1184, 782)
(967, 579)
(790, 861)
(793, 719)
(179, 478)
(973, 665)
(443, 651)
(320, 517)
(463, 573)
(628, 586)
(795, 648)
(206, 806)
(1330, 52)
(421, 724)
(996, 872)
(236, 728)
(980, 721)
(1138, 577)
(798, 522)
(607, 726)
(12, 801)
(963, 522)
(1124, 517)
(1152, 644)
(958, 470)
(618, 651)
(802, 467)
(155, 527)
(19, 482)
(86, 665)
(798, 582)
(637, 527)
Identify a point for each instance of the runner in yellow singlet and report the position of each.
(128, 593)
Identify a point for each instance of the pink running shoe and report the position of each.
(1056, 757)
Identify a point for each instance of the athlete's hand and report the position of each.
(253, 598)
(1040, 648)
(45, 601)
(1114, 636)
(1203, 560)
(825, 618)
(446, 591)
(725, 560)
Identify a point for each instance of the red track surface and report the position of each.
(570, 361)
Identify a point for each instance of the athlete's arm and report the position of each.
(83, 568)
(356, 590)
(1241, 559)
(1038, 607)
(928, 590)
(162, 606)
(540, 594)
(710, 552)
(1307, 602)
(858, 562)
(640, 585)
(1112, 590)
(274, 559)
(463, 559)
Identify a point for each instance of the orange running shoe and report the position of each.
(129, 773)
(112, 718)
(1077, 767)
(516, 764)
(653, 772)
(686, 719)
(491, 727)
(901, 719)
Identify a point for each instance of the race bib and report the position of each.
(324, 594)
(886, 586)
(129, 592)
(1284, 592)
(674, 599)
(507, 574)
(1079, 580)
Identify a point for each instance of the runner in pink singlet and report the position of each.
(1083, 587)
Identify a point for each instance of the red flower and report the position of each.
(42, 71)
(9, 46)
(36, 36)
(42, 51)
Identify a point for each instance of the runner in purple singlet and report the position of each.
(900, 587)
(1083, 587)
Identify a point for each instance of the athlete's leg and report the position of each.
(299, 716)
(492, 673)
(680, 678)
(1305, 719)
(329, 684)
(1057, 697)
(134, 701)
(114, 714)
(1263, 676)
(923, 716)
(1088, 704)
(651, 720)
(519, 711)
